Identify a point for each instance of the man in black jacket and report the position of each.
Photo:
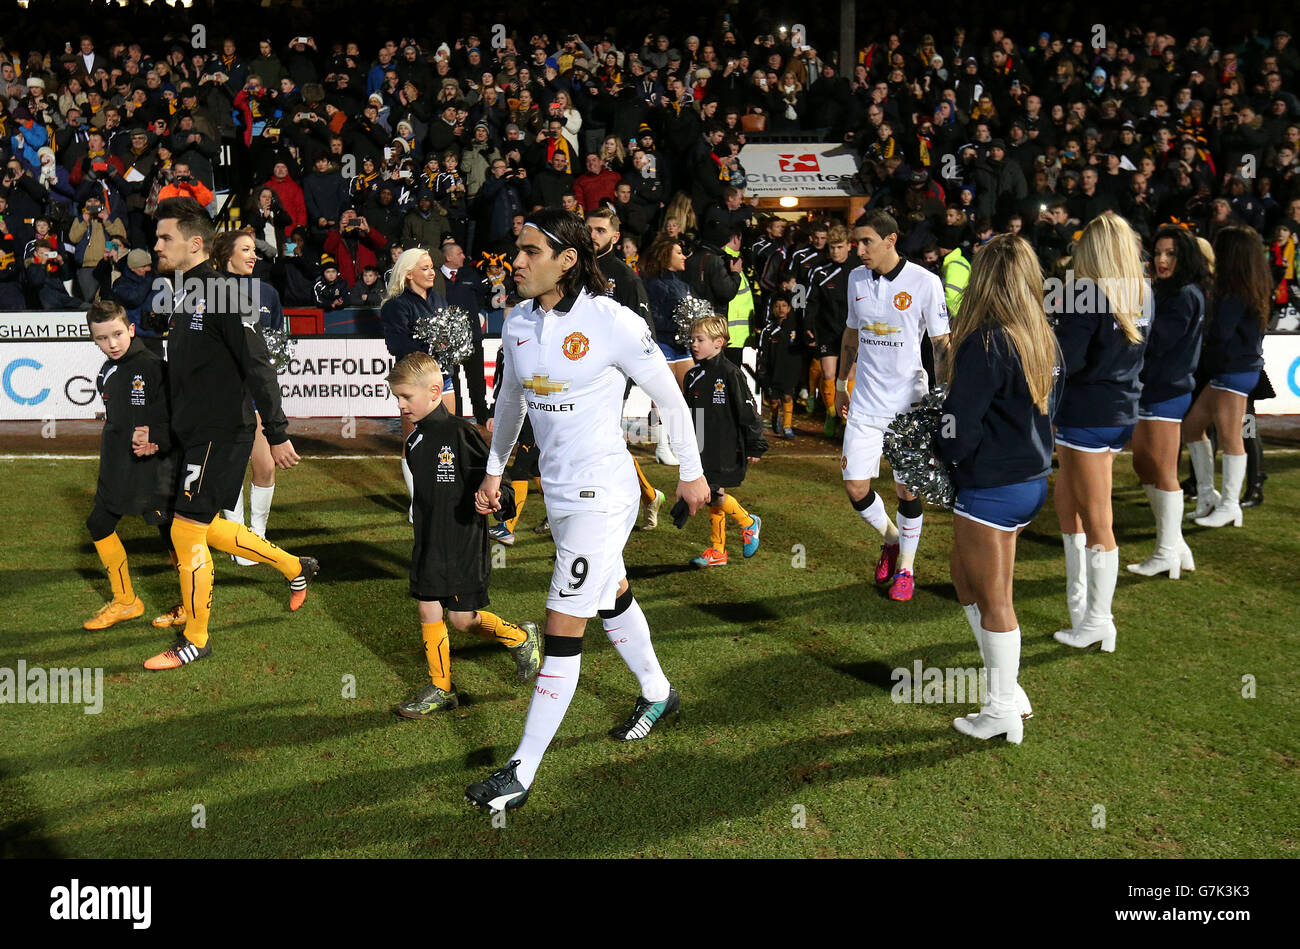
(466, 287)
(216, 362)
(713, 275)
(625, 287)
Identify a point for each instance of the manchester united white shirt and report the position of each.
(891, 313)
(567, 368)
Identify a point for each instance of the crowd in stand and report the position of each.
(339, 156)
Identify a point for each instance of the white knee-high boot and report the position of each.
(1076, 577)
(1098, 625)
(977, 627)
(236, 516)
(259, 508)
(1172, 555)
(1202, 455)
(1000, 716)
(1228, 510)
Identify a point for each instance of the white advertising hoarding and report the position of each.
(344, 377)
(53, 325)
(810, 169)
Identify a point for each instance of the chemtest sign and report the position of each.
(810, 169)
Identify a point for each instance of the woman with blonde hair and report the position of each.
(1004, 384)
(788, 104)
(410, 295)
(1102, 333)
(562, 109)
(613, 154)
(681, 214)
(1234, 347)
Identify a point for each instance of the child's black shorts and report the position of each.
(209, 478)
(457, 602)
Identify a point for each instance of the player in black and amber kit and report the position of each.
(215, 363)
(451, 562)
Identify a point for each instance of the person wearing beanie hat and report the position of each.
(27, 138)
(330, 290)
(133, 289)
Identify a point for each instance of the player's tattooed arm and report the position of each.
(848, 354)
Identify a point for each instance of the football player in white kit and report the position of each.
(892, 303)
(570, 353)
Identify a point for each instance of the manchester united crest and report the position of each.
(902, 300)
(575, 346)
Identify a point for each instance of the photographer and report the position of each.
(326, 195)
(267, 217)
(45, 272)
(94, 234)
(96, 164)
(26, 199)
(255, 108)
(185, 185)
(505, 193)
(354, 245)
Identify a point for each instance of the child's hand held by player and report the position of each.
(488, 496)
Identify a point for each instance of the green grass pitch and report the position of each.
(789, 744)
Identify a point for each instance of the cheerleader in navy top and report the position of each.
(1168, 380)
(1004, 386)
(1101, 332)
(411, 295)
(1234, 356)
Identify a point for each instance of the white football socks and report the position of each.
(556, 683)
(909, 538)
(630, 634)
(875, 515)
(259, 508)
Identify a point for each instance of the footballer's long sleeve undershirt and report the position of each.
(508, 416)
(650, 371)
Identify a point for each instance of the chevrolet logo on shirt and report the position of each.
(882, 329)
(542, 385)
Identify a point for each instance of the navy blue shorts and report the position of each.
(1008, 507)
(1094, 439)
(1242, 383)
(672, 352)
(1170, 410)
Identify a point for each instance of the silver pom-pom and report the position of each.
(447, 331)
(279, 347)
(909, 441)
(690, 309)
